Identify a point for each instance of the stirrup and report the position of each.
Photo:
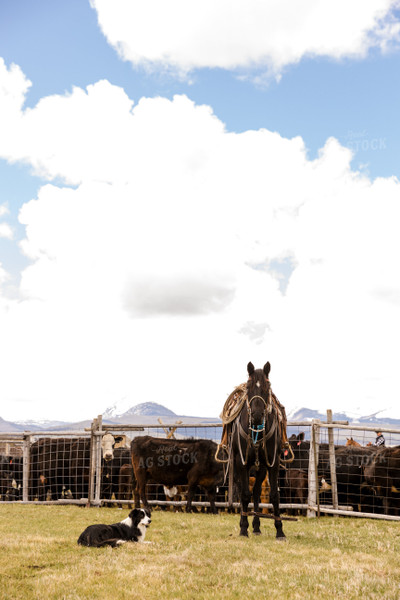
(225, 449)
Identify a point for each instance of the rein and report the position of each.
(268, 409)
(252, 435)
(264, 516)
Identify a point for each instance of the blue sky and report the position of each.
(355, 99)
(59, 45)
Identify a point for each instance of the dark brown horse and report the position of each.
(256, 442)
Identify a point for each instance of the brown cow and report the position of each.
(296, 487)
(176, 462)
(264, 496)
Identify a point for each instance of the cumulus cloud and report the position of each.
(157, 274)
(6, 231)
(255, 331)
(3, 210)
(180, 36)
(183, 296)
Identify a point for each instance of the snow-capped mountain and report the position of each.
(150, 413)
(307, 414)
(9, 427)
(148, 409)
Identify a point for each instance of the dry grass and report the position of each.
(195, 556)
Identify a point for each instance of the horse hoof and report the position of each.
(256, 532)
(244, 534)
(281, 539)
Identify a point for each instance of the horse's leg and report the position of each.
(245, 496)
(274, 496)
(260, 476)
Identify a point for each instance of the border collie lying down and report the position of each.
(131, 529)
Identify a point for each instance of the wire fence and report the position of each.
(337, 469)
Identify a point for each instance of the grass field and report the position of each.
(195, 556)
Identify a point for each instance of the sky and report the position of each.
(189, 186)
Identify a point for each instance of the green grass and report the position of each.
(195, 557)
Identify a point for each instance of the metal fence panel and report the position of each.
(68, 467)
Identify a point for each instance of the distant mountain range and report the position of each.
(149, 413)
(146, 413)
(307, 414)
(146, 409)
(341, 435)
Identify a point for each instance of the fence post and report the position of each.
(332, 462)
(92, 466)
(26, 460)
(98, 461)
(313, 492)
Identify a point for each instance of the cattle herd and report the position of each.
(156, 469)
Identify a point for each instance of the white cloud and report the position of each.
(6, 231)
(155, 278)
(3, 210)
(181, 36)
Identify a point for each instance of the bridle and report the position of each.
(252, 436)
(267, 410)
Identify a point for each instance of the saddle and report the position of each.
(232, 408)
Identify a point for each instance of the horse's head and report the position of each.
(351, 442)
(258, 393)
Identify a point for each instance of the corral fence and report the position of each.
(326, 477)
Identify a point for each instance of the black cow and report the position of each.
(176, 462)
(80, 464)
(50, 468)
(110, 473)
(351, 486)
(9, 486)
(301, 452)
(383, 474)
(350, 460)
(16, 466)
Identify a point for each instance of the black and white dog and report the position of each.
(131, 529)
